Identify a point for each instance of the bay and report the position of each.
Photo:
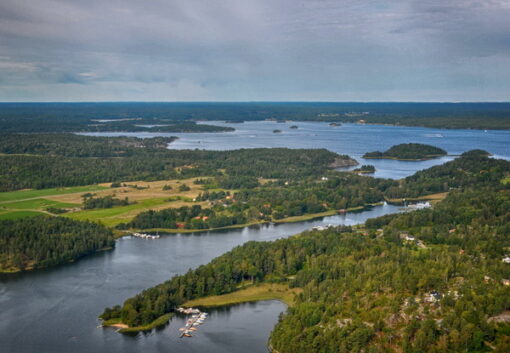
(351, 139)
(55, 310)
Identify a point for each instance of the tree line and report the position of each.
(74, 117)
(43, 241)
(58, 160)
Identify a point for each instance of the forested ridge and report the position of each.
(57, 160)
(272, 201)
(71, 145)
(43, 241)
(474, 167)
(426, 281)
(408, 151)
(75, 117)
(338, 191)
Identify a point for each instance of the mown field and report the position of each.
(144, 195)
(253, 293)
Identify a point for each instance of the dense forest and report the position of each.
(43, 241)
(338, 192)
(57, 160)
(426, 281)
(471, 168)
(71, 145)
(408, 151)
(269, 202)
(179, 117)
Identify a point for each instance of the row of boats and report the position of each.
(145, 236)
(323, 227)
(197, 318)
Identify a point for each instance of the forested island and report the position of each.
(433, 280)
(408, 152)
(365, 169)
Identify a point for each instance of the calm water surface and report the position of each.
(352, 139)
(55, 310)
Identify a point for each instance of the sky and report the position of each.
(254, 50)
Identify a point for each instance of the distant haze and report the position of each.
(245, 50)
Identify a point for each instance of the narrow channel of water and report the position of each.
(55, 310)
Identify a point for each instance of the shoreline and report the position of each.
(293, 219)
(118, 234)
(123, 328)
(251, 293)
(409, 159)
(32, 269)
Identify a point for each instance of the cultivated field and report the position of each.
(146, 195)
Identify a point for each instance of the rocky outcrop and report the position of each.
(343, 162)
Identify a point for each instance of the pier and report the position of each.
(197, 319)
(145, 236)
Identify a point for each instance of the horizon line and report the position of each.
(256, 101)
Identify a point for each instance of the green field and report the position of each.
(265, 291)
(37, 203)
(113, 216)
(32, 194)
(27, 203)
(17, 214)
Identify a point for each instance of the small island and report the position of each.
(408, 152)
(365, 169)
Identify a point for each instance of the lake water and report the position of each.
(351, 139)
(55, 310)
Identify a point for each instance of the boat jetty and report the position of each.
(197, 318)
(323, 227)
(145, 236)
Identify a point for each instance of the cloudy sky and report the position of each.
(255, 50)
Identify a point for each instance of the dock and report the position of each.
(145, 236)
(197, 319)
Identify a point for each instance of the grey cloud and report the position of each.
(249, 50)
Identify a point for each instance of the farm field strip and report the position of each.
(144, 195)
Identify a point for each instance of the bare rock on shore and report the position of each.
(343, 162)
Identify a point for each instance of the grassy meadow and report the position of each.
(144, 195)
(265, 291)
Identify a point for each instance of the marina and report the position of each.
(197, 318)
(145, 236)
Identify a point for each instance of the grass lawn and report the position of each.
(266, 291)
(38, 203)
(32, 193)
(18, 214)
(433, 198)
(113, 216)
(149, 195)
(306, 217)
